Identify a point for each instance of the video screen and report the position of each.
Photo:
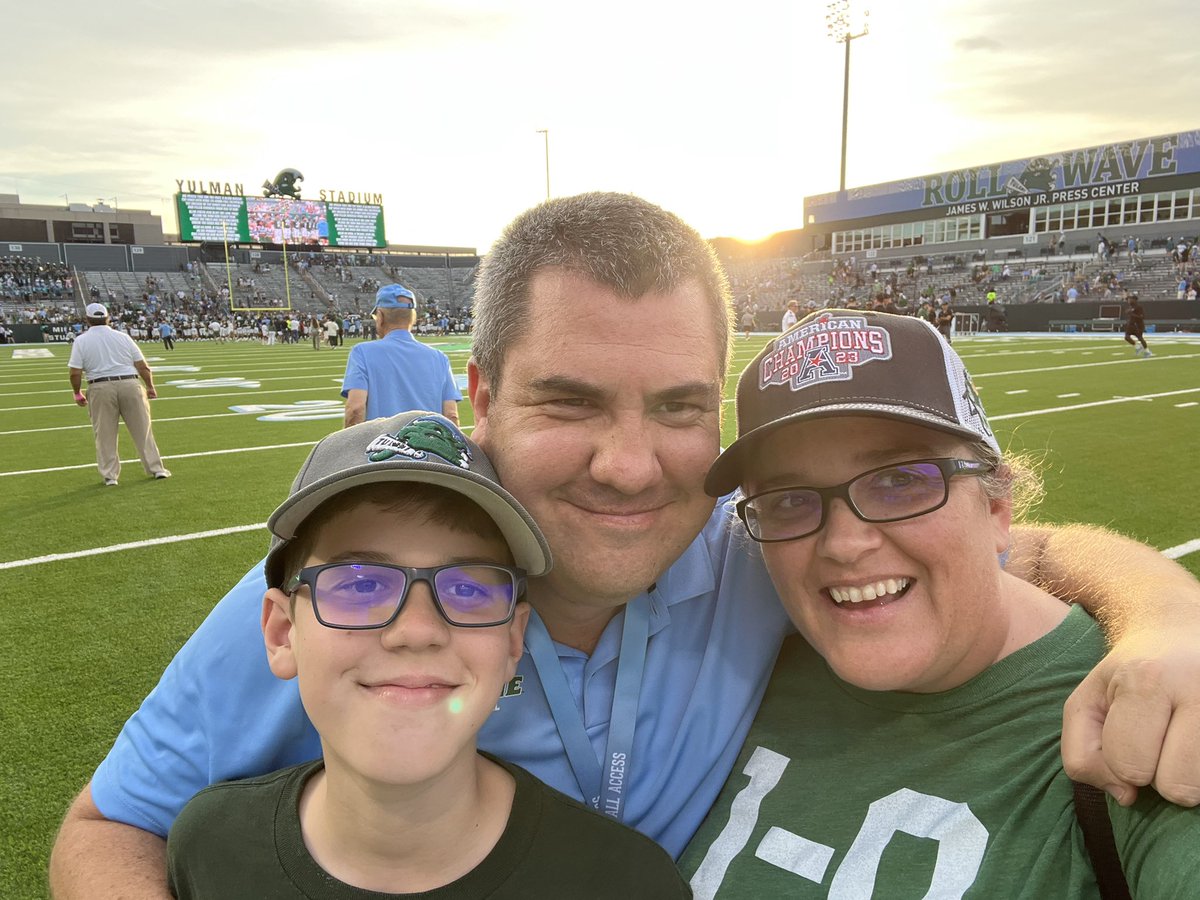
(278, 221)
(275, 221)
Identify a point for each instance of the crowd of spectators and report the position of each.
(29, 280)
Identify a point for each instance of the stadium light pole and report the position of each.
(837, 26)
(545, 133)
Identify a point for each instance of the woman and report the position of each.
(908, 744)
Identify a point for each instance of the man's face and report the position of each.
(604, 423)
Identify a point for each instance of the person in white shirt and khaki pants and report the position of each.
(113, 363)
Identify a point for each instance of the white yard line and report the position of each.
(225, 371)
(92, 465)
(1056, 409)
(466, 429)
(1136, 360)
(245, 392)
(189, 376)
(1182, 549)
(131, 545)
(88, 425)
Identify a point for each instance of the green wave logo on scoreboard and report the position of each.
(825, 350)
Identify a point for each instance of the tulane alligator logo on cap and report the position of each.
(826, 349)
(423, 436)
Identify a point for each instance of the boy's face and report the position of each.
(396, 705)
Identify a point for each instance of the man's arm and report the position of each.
(1135, 720)
(450, 410)
(94, 857)
(77, 386)
(356, 407)
(143, 369)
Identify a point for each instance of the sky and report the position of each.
(728, 114)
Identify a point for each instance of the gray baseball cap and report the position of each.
(847, 362)
(419, 447)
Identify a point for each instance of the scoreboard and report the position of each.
(279, 220)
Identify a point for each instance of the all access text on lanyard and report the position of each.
(603, 783)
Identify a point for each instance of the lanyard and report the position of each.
(603, 784)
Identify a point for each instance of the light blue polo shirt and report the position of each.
(399, 373)
(715, 630)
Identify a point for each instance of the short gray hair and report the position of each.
(616, 240)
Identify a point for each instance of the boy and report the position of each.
(395, 577)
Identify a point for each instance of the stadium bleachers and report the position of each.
(133, 287)
(970, 272)
(268, 288)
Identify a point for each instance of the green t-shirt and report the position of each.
(841, 792)
(242, 839)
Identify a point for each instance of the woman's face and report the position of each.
(912, 605)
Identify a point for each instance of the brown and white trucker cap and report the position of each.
(847, 362)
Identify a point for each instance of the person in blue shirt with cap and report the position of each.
(397, 373)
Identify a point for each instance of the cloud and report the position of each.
(970, 44)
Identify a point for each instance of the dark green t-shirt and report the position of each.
(842, 792)
(242, 839)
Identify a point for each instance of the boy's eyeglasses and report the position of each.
(357, 596)
(887, 494)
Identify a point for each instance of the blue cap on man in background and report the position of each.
(394, 296)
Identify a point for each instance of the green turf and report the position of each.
(85, 639)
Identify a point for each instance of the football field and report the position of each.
(100, 586)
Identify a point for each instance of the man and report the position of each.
(397, 373)
(602, 339)
(167, 333)
(945, 320)
(112, 363)
(789, 317)
(332, 328)
(1135, 326)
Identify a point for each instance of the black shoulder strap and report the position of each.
(1091, 811)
